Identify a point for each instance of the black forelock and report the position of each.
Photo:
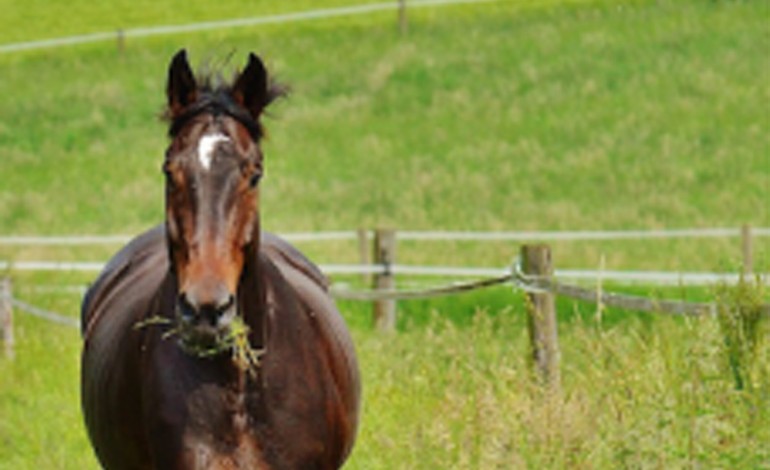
(216, 101)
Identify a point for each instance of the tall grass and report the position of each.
(740, 316)
(454, 389)
(634, 396)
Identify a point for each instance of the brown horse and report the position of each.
(208, 344)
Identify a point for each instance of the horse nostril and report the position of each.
(223, 312)
(227, 304)
(212, 310)
(186, 309)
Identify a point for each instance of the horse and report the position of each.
(208, 343)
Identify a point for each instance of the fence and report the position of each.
(534, 273)
(120, 35)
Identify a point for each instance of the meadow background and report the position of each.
(508, 115)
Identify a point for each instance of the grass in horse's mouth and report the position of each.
(236, 339)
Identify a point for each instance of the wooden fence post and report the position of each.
(385, 255)
(403, 24)
(543, 334)
(747, 249)
(6, 317)
(121, 39)
(364, 251)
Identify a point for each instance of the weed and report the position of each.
(740, 309)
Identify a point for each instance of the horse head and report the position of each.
(213, 166)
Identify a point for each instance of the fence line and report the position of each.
(142, 32)
(86, 240)
(43, 313)
(73, 266)
(521, 281)
(536, 279)
(527, 283)
(580, 235)
(537, 284)
(64, 240)
(344, 293)
(386, 267)
(623, 277)
(57, 289)
(343, 235)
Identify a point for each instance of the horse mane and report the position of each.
(214, 96)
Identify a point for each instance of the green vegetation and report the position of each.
(453, 390)
(512, 115)
(740, 320)
(498, 116)
(42, 19)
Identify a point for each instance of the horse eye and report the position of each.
(168, 174)
(254, 179)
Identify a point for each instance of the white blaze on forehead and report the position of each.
(206, 147)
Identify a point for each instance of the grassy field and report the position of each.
(495, 117)
(453, 390)
(512, 115)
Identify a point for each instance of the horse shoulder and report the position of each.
(142, 254)
(311, 288)
(111, 361)
(327, 353)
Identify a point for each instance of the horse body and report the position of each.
(149, 403)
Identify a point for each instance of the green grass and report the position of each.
(39, 394)
(453, 390)
(493, 117)
(635, 397)
(43, 19)
(513, 115)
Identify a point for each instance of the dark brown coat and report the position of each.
(149, 405)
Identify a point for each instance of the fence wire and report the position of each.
(516, 278)
(438, 291)
(43, 313)
(430, 235)
(144, 32)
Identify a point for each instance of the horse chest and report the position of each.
(215, 427)
(198, 416)
(234, 448)
(201, 453)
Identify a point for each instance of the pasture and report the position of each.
(510, 115)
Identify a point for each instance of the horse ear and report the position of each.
(181, 88)
(251, 87)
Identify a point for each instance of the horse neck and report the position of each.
(251, 295)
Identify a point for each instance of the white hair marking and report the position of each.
(206, 147)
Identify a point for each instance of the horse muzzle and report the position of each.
(204, 326)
